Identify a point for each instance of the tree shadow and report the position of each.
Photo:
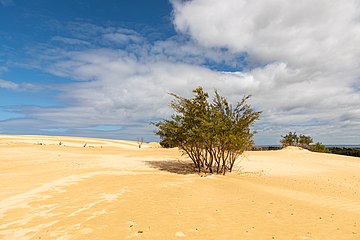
(173, 166)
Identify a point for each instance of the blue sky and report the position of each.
(104, 68)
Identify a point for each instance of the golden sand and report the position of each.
(110, 189)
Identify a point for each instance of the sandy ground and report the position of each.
(114, 190)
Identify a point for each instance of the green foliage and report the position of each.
(304, 141)
(290, 139)
(354, 152)
(212, 134)
(319, 147)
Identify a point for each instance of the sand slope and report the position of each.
(113, 190)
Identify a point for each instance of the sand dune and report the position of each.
(110, 189)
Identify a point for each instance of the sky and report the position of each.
(104, 68)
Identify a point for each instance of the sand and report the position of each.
(113, 190)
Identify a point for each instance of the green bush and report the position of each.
(319, 147)
(213, 134)
(292, 139)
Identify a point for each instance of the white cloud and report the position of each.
(179, 49)
(8, 85)
(117, 87)
(301, 33)
(71, 41)
(310, 51)
(122, 36)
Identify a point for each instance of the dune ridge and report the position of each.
(89, 188)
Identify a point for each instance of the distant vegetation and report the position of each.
(292, 139)
(355, 152)
(319, 147)
(348, 151)
(213, 134)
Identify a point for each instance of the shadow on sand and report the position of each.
(173, 166)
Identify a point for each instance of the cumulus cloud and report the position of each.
(301, 33)
(305, 54)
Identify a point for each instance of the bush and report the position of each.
(212, 134)
(292, 139)
(319, 147)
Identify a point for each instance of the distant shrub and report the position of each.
(319, 147)
(165, 143)
(292, 139)
(140, 141)
(265, 148)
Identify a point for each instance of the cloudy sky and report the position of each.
(105, 68)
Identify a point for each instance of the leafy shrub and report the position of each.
(212, 134)
(319, 147)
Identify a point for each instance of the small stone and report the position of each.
(140, 231)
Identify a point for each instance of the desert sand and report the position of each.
(111, 189)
